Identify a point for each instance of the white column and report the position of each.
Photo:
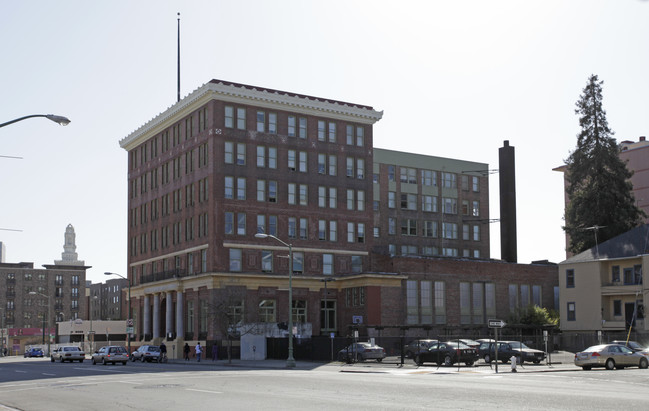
(169, 319)
(147, 316)
(180, 324)
(156, 315)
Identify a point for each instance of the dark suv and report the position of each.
(507, 349)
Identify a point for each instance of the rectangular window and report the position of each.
(327, 264)
(449, 180)
(302, 127)
(292, 227)
(350, 199)
(333, 231)
(291, 193)
(272, 157)
(350, 134)
(241, 154)
(241, 188)
(412, 306)
(291, 160)
(536, 295)
(267, 311)
(408, 226)
(392, 199)
(272, 123)
(241, 223)
(322, 196)
(229, 189)
(321, 130)
(475, 209)
(360, 136)
(272, 191)
(229, 117)
(426, 302)
(465, 303)
(525, 295)
(298, 262)
(322, 164)
(513, 298)
(360, 168)
(476, 184)
(477, 303)
(350, 233)
(229, 152)
(572, 312)
(615, 274)
(261, 223)
(291, 126)
(261, 122)
(272, 225)
(333, 165)
(267, 261)
(304, 194)
(440, 302)
(322, 230)
(476, 233)
(617, 308)
(241, 118)
(299, 312)
(570, 278)
(357, 264)
(332, 132)
(303, 229)
(261, 156)
(350, 167)
(333, 197)
(392, 226)
(303, 161)
(261, 190)
(235, 259)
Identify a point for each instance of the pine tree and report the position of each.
(598, 186)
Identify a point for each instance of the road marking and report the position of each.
(210, 392)
(20, 371)
(44, 373)
(129, 382)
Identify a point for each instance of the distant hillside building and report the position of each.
(59, 291)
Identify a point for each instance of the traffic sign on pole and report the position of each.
(496, 323)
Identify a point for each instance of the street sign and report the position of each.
(497, 323)
(129, 322)
(129, 330)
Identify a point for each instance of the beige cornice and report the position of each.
(249, 95)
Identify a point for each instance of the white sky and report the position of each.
(454, 79)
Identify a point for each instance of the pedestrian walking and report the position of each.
(199, 350)
(186, 351)
(215, 354)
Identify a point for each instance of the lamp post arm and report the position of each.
(57, 119)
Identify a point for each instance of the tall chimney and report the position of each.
(507, 174)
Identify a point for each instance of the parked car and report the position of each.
(447, 353)
(610, 356)
(471, 343)
(33, 352)
(361, 351)
(110, 354)
(416, 346)
(146, 353)
(68, 353)
(630, 344)
(507, 349)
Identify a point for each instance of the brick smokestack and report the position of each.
(507, 173)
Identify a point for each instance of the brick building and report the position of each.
(230, 161)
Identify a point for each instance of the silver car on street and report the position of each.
(110, 354)
(610, 356)
(68, 353)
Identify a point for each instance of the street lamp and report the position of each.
(48, 319)
(290, 361)
(128, 335)
(64, 121)
(92, 333)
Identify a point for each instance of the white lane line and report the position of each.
(129, 382)
(210, 392)
(45, 373)
(20, 371)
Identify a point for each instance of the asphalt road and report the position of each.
(35, 384)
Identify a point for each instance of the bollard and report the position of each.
(513, 361)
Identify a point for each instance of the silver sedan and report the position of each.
(610, 356)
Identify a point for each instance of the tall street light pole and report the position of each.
(128, 320)
(64, 121)
(91, 333)
(49, 317)
(290, 361)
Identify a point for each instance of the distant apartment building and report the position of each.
(108, 301)
(230, 161)
(430, 206)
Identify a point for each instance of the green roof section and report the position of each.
(423, 161)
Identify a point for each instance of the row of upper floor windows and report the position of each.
(429, 203)
(237, 118)
(431, 229)
(294, 126)
(408, 175)
(58, 279)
